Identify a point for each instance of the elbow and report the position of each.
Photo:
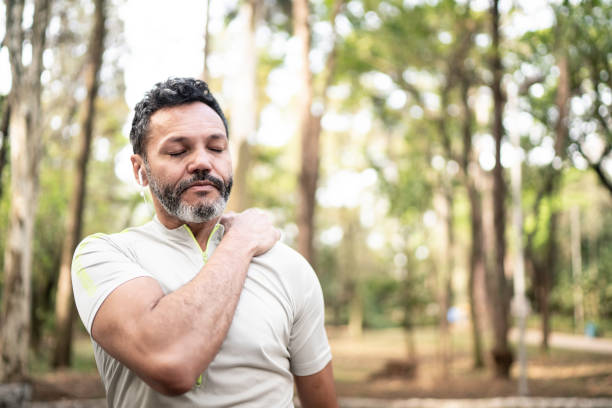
(172, 378)
(174, 388)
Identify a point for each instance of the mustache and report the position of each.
(200, 175)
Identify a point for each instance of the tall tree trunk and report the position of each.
(309, 132)
(519, 300)
(576, 256)
(4, 141)
(25, 141)
(477, 263)
(64, 305)
(310, 124)
(547, 272)
(477, 273)
(543, 269)
(244, 106)
(444, 206)
(502, 354)
(561, 133)
(205, 72)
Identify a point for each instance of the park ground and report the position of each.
(374, 365)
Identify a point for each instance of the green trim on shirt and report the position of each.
(84, 278)
(206, 255)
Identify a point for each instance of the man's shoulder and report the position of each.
(287, 261)
(282, 252)
(119, 240)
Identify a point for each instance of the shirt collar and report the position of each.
(183, 233)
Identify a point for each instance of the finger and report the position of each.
(226, 220)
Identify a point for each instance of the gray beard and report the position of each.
(170, 198)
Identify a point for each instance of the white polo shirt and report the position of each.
(277, 330)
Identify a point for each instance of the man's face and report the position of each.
(188, 164)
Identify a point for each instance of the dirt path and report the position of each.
(567, 341)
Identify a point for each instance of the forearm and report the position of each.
(317, 390)
(169, 340)
(193, 320)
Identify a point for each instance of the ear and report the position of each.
(138, 168)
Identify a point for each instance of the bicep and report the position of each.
(119, 321)
(317, 390)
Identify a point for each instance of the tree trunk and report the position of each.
(25, 140)
(519, 300)
(502, 355)
(476, 276)
(4, 141)
(205, 72)
(477, 263)
(244, 106)
(545, 269)
(561, 133)
(576, 256)
(310, 125)
(444, 204)
(64, 305)
(309, 132)
(547, 272)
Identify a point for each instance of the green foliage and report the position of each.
(421, 50)
(382, 308)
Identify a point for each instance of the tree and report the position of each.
(4, 140)
(310, 123)
(64, 304)
(205, 72)
(244, 103)
(25, 139)
(588, 25)
(502, 355)
(477, 264)
(309, 134)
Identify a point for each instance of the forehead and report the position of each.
(187, 120)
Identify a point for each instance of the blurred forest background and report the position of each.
(424, 155)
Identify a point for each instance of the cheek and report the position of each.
(166, 176)
(224, 169)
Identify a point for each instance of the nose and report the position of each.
(200, 160)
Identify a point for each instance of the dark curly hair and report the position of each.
(172, 92)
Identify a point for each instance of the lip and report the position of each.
(202, 186)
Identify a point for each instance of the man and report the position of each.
(196, 309)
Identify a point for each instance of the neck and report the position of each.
(201, 231)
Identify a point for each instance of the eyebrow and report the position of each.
(179, 139)
(218, 136)
(173, 139)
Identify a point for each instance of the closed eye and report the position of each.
(176, 154)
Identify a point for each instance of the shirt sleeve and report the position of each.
(99, 266)
(308, 345)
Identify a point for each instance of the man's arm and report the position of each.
(169, 340)
(317, 390)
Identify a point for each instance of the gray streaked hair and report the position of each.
(172, 92)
